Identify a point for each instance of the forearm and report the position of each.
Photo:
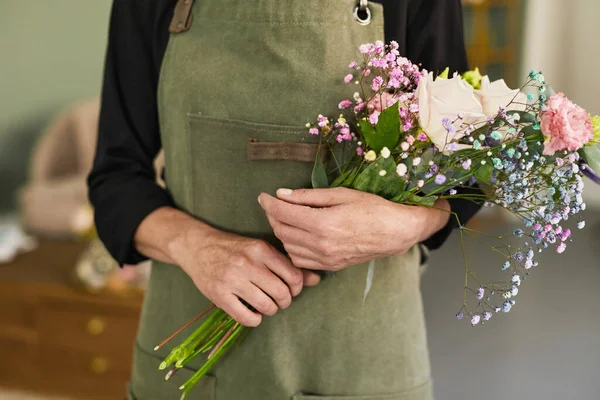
(164, 234)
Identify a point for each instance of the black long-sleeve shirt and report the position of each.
(122, 182)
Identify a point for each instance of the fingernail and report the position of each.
(259, 200)
(285, 192)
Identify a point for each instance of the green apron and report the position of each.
(236, 90)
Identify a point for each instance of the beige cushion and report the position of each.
(61, 161)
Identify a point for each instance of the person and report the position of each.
(237, 222)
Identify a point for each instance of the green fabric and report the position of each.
(261, 69)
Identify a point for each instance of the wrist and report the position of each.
(190, 236)
(433, 219)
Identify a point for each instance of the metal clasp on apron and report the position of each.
(362, 12)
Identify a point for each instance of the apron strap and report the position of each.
(304, 152)
(182, 16)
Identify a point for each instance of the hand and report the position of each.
(332, 229)
(227, 268)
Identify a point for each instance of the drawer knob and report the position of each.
(96, 326)
(99, 365)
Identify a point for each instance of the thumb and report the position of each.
(315, 197)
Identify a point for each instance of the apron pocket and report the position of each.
(232, 162)
(422, 392)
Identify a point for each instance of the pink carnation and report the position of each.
(565, 125)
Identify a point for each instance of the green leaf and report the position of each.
(387, 131)
(526, 117)
(445, 73)
(342, 178)
(421, 200)
(369, 180)
(389, 126)
(399, 198)
(319, 174)
(484, 172)
(349, 181)
(591, 155)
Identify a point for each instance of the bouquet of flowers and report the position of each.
(417, 138)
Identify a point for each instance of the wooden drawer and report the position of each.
(16, 308)
(93, 364)
(82, 374)
(18, 349)
(90, 327)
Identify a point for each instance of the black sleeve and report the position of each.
(436, 40)
(122, 186)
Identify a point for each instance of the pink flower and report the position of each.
(348, 78)
(352, 65)
(422, 137)
(359, 151)
(313, 131)
(345, 104)
(410, 140)
(374, 118)
(377, 82)
(366, 48)
(386, 99)
(565, 125)
(367, 72)
(359, 107)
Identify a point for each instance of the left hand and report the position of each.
(332, 229)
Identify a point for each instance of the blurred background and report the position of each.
(68, 315)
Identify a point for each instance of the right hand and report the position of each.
(227, 268)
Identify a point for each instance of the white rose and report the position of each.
(446, 98)
(494, 95)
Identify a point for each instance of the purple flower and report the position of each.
(452, 147)
(480, 293)
(561, 247)
(487, 315)
(475, 319)
(459, 315)
(440, 179)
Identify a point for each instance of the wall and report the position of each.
(52, 55)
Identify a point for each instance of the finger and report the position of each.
(316, 197)
(238, 311)
(311, 278)
(257, 299)
(296, 215)
(292, 235)
(306, 263)
(281, 266)
(274, 287)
